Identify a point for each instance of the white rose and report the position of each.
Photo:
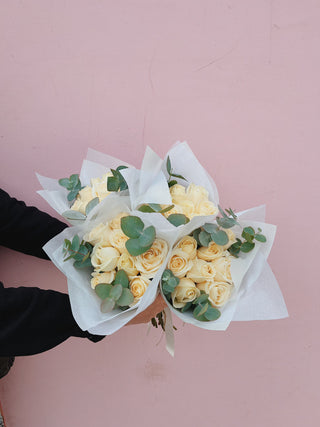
(211, 252)
(180, 263)
(118, 240)
(185, 292)
(98, 278)
(177, 190)
(201, 271)
(99, 234)
(219, 292)
(138, 286)
(149, 263)
(186, 206)
(83, 198)
(104, 258)
(197, 193)
(126, 263)
(188, 245)
(205, 208)
(100, 186)
(222, 266)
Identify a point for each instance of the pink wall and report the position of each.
(240, 81)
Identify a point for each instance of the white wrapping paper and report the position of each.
(85, 303)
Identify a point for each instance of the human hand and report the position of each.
(156, 307)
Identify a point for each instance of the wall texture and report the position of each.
(239, 80)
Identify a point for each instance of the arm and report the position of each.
(26, 229)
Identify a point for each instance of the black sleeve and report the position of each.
(34, 320)
(26, 229)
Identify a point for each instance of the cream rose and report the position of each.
(180, 262)
(99, 234)
(197, 193)
(118, 240)
(201, 270)
(115, 223)
(149, 263)
(104, 258)
(98, 278)
(188, 245)
(83, 198)
(177, 190)
(205, 207)
(126, 263)
(222, 266)
(219, 293)
(185, 292)
(138, 286)
(186, 206)
(213, 251)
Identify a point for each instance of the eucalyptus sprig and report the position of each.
(201, 307)
(140, 238)
(72, 184)
(154, 208)
(117, 182)
(172, 182)
(80, 251)
(246, 245)
(116, 294)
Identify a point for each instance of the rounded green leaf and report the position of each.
(103, 290)
(260, 238)
(178, 219)
(166, 275)
(147, 237)
(146, 208)
(93, 203)
(200, 310)
(134, 248)
(247, 247)
(201, 299)
(220, 237)
(113, 183)
(210, 228)
(132, 226)
(107, 305)
(75, 245)
(83, 264)
(64, 182)
(172, 183)
(186, 307)
(126, 298)
(74, 215)
(212, 313)
(121, 279)
(226, 222)
(116, 292)
(204, 238)
(72, 195)
(249, 230)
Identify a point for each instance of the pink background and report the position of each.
(239, 80)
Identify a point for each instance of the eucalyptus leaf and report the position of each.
(201, 299)
(204, 238)
(178, 176)
(195, 235)
(155, 206)
(83, 264)
(147, 237)
(103, 290)
(126, 298)
(146, 208)
(74, 215)
(222, 212)
(168, 165)
(113, 183)
(260, 238)
(167, 209)
(178, 219)
(249, 230)
(134, 248)
(212, 313)
(210, 228)
(172, 183)
(186, 307)
(166, 275)
(247, 247)
(64, 182)
(72, 195)
(220, 237)
(246, 236)
(93, 203)
(75, 245)
(226, 222)
(116, 292)
(107, 305)
(122, 279)
(132, 226)
(119, 168)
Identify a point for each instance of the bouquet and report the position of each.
(160, 228)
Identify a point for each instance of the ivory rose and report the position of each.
(188, 245)
(231, 237)
(197, 193)
(83, 198)
(201, 270)
(98, 278)
(211, 252)
(104, 258)
(177, 190)
(185, 292)
(222, 266)
(180, 263)
(205, 207)
(99, 234)
(138, 286)
(115, 223)
(219, 292)
(118, 240)
(126, 263)
(149, 262)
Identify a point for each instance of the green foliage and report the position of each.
(178, 219)
(169, 282)
(116, 182)
(72, 184)
(78, 250)
(140, 238)
(154, 208)
(248, 244)
(170, 173)
(116, 294)
(93, 203)
(74, 215)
